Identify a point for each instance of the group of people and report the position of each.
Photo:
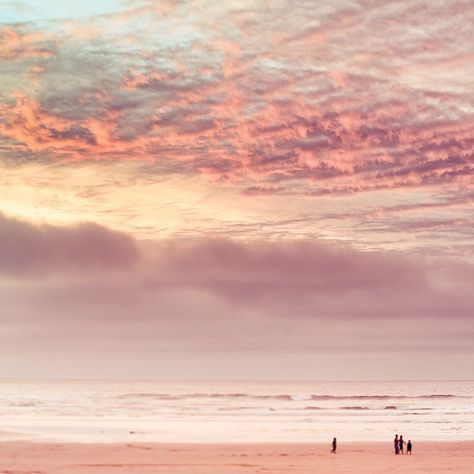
(399, 445)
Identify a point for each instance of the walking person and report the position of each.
(396, 444)
(334, 445)
(409, 446)
(401, 443)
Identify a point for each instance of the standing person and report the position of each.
(396, 444)
(334, 445)
(409, 446)
(401, 443)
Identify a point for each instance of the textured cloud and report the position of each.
(345, 97)
(20, 43)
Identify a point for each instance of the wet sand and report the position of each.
(69, 458)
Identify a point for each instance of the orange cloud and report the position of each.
(15, 44)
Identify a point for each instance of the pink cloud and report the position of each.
(18, 44)
(362, 98)
(39, 250)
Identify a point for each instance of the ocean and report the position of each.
(216, 412)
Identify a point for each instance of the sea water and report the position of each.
(216, 412)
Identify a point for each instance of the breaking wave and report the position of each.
(283, 397)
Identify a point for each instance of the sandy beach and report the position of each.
(36, 458)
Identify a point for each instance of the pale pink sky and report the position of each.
(243, 189)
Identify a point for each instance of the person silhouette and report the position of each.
(401, 443)
(409, 446)
(396, 444)
(334, 445)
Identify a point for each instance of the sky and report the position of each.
(251, 189)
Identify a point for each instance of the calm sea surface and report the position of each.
(235, 411)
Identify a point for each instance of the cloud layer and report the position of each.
(211, 296)
(345, 97)
(38, 250)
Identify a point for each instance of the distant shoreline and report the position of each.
(341, 442)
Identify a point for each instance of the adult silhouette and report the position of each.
(401, 443)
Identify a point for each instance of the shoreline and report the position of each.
(340, 441)
(232, 458)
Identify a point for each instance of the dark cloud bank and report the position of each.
(86, 301)
(286, 278)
